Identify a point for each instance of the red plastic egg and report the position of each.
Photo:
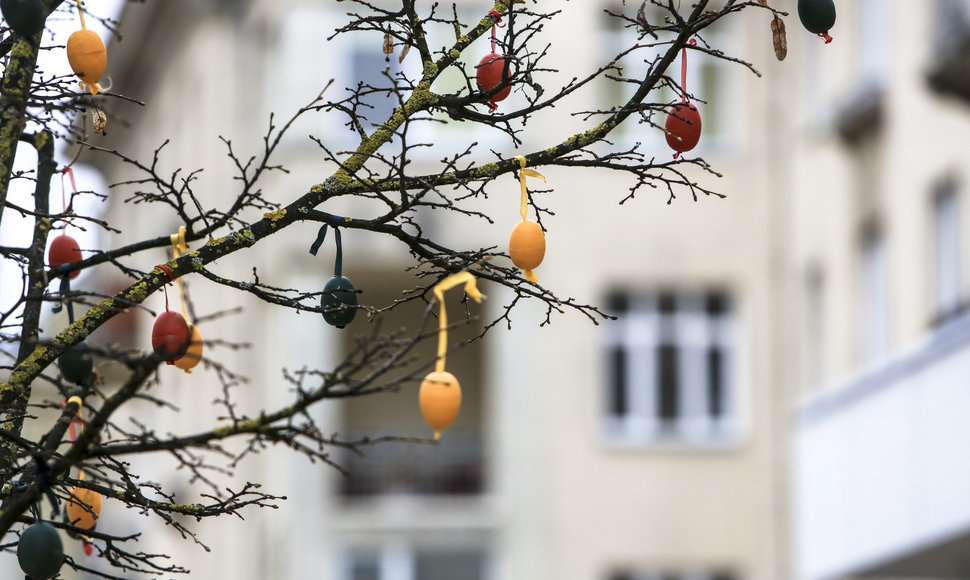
(489, 76)
(683, 127)
(64, 250)
(170, 336)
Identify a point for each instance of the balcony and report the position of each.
(882, 468)
(453, 467)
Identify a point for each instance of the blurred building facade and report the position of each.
(880, 182)
(662, 451)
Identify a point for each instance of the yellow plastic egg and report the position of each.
(88, 58)
(440, 399)
(83, 517)
(193, 354)
(527, 247)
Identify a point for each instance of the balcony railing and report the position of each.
(454, 466)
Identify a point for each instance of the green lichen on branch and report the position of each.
(18, 75)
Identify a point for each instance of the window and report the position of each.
(401, 561)
(671, 358)
(946, 233)
(874, 295)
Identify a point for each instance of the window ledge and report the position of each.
(727, 442)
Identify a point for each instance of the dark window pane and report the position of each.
(667, 302)
(715, 387)
(723, 576)
(365, 567)
(619, 405)
(450, 565)
(617, 302)
(668, 382)
(717, 303)
(621, 576)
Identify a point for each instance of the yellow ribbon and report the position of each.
(471, 289)
(178, 247)
(80, 403)
(80, 13)
(523, 172)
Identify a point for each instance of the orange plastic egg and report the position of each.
(88, 58)
(193, 355)
(440, 399)
(83, 508)
(527, 247)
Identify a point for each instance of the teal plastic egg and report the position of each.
(25, 17)
(339, 299)
(817, 16)
(76, 363)
(40, 551)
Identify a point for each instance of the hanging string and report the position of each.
(338, 263)
(498, 22)
(80, 13)
(683, 71)
(178, 247)
(70, 174)
(523, 173)
(171, 278)
(77, 420)
(471, 289)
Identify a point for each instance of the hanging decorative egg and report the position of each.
(489, 76)
(683, 127)
(527, 247)
(817, 16)
(193, 355)
(339, 301)
(170, 336)
(88, 58)
(64, 250)
(40, 551)
(83, 508)
(76, 363)
(25, 17)
(440, 400)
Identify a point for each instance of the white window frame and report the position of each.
(874, 17)
(947, 270)
(874, 296)
(639, 332)
(814, 323)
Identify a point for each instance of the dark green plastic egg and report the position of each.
(25, 17)
(817, 16)
(76, 363)
(40, 551)
(339, 298)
